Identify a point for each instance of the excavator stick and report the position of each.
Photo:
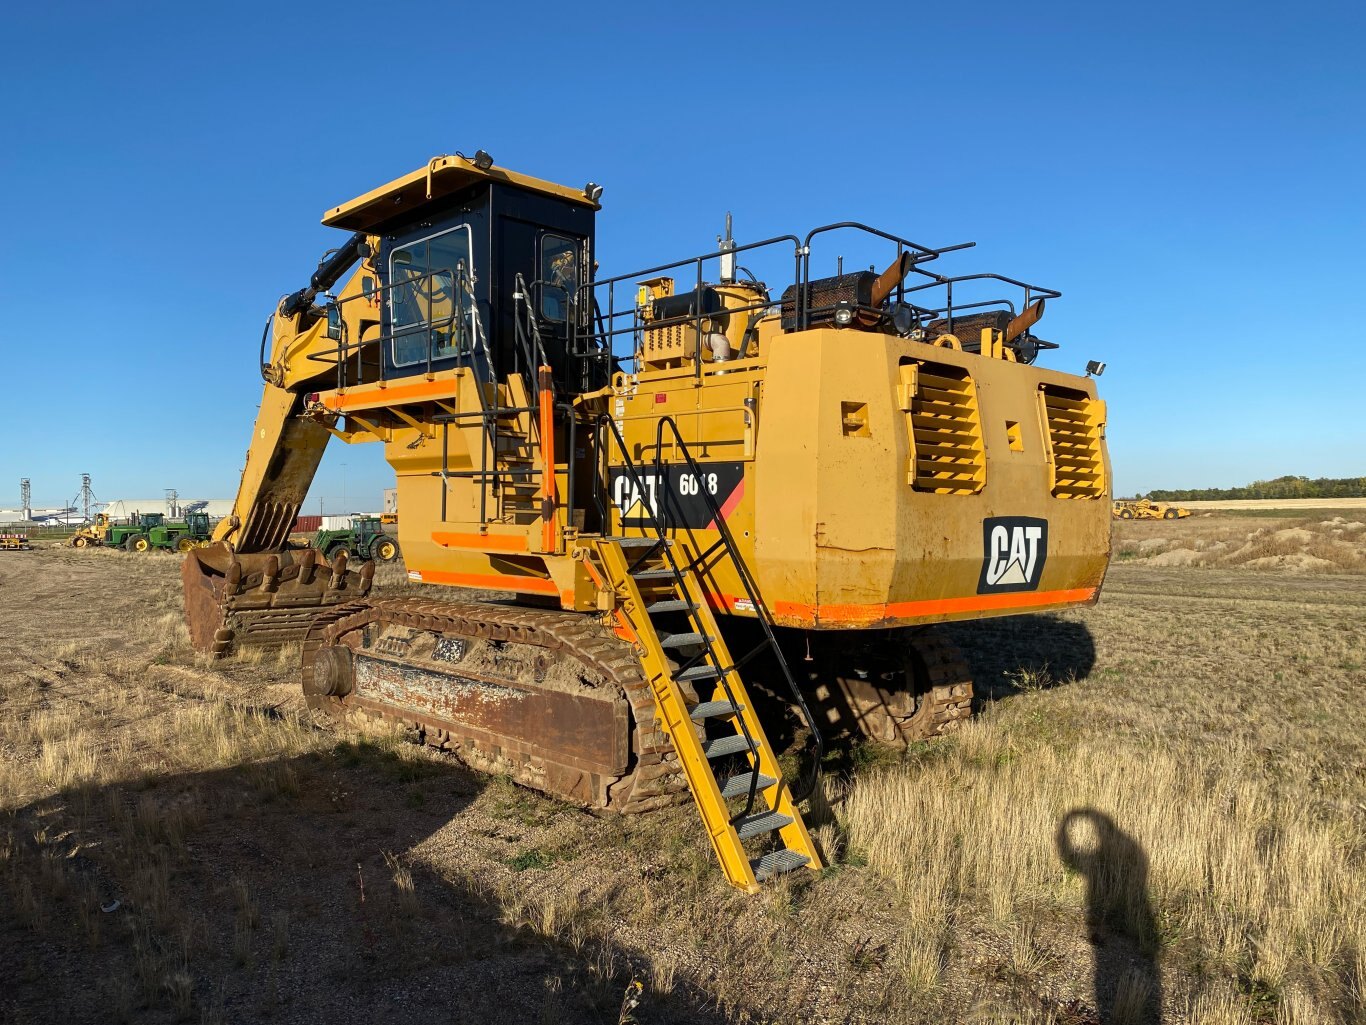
(265, 599)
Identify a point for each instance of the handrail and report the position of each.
(659, 530)
(616, 323)
(747, 581)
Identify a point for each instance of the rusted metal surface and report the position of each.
(551, 699)
(583, 730)
(1028, 317)
(888, 280)
(263, 599)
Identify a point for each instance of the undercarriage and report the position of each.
(557, 702)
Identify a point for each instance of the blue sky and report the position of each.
(1188, 175)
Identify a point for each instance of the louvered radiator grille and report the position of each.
(1076, 459)
(945, 426)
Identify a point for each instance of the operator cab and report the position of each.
(475, 266)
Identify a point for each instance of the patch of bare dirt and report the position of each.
(1335, 545)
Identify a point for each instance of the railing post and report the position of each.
(547, 410)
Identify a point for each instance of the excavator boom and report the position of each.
(251, 585)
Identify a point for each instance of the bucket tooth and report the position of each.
(262, 599)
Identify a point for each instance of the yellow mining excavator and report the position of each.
(692, 493)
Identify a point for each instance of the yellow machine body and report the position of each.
(841, 463)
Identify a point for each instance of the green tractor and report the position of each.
(364, 539)
(181, 537)
(134, 537)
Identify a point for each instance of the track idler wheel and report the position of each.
(334, 673)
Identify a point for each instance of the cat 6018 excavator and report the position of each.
(685, 493)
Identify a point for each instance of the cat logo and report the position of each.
(1014, 549)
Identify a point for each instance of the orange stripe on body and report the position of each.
(481, 542)
(730, 504)
(855, 615)
(395, 393)
(492, 582)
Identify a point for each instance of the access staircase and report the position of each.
(517, 455)
(702, 703)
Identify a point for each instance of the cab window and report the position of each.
(429, 297)
(559, 275)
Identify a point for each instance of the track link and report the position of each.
(944, 685)
(652, 779)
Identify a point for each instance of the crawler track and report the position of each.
(892, 687)
(557, 702)
(626, 765)
(944, 686)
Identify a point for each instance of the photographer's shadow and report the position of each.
(1121, 926)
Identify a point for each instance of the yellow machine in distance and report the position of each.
(685, 484)
(1145, 509)
(93, 533)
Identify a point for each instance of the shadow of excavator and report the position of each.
(1009, 654)
(269, 891)
(1004, 657)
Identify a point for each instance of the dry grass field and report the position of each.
(1159, 815)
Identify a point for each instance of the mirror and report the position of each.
(334, 322)
(367, 286)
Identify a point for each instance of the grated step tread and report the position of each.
(640, 542)
(712, 709)
(653, 574)
(722, 746)
(699, 673)
(747, 826)
(682, 640)
(775, 863)
(672, 605)
(738, 786)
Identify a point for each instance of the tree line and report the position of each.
(1281, 487)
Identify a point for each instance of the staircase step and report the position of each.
(703, 672)
(653, 574)
(738, 786)
(722, 746)
(759, 823)
(775, 863)
(682, 640)
(640, 542)
(711, 710)
(672, 605)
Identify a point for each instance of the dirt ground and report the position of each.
(179, 841)
(1318, 542)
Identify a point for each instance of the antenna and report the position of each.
(25, 499)
(727, 247)
(86, 498)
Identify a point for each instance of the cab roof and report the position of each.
(442, 176)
